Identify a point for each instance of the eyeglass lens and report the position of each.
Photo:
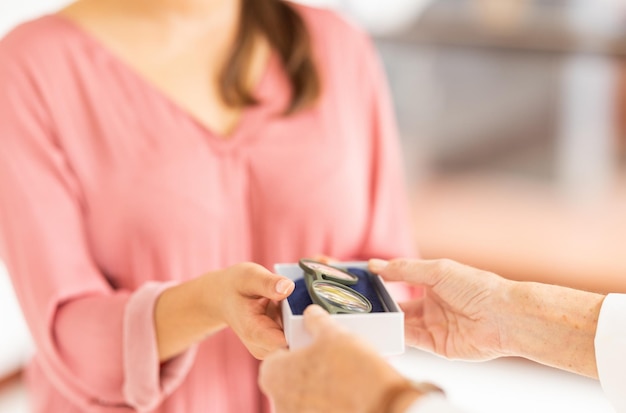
(331, 271)
(341, 297)
(329, 285)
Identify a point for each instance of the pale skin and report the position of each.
(323, 376)
(180, 47)
(464, 313)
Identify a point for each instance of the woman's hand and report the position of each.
(244, 296)
(248, 298)
(459, 313)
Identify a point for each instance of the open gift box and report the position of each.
(383, 328)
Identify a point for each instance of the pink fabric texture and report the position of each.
(110, 192)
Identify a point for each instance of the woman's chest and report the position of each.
(169, 186)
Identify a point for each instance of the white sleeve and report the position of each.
(610, 345)
(433, 403)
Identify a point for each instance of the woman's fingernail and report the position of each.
(377, 265)
(284, 286)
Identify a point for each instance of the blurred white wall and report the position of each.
(12, 12)
(378, 17)
(15, 346)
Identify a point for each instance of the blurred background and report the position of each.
(513, 119)
(512, 115)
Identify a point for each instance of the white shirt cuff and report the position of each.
(610, 346)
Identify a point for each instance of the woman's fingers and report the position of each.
(257, 281)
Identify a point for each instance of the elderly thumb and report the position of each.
(317, 320)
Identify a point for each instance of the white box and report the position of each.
(384, 331)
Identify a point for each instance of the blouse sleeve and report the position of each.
(96, 344)
(610, 343)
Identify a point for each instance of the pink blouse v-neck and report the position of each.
(110, 193)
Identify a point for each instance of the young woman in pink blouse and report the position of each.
(157, 157)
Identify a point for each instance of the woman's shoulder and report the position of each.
(34, 43)
(331, 26)
(25, 35)
(344, 49)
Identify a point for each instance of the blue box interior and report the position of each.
(300, 299)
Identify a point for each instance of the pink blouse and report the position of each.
(110, 192)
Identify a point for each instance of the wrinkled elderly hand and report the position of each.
(477, 315)
(337, 373)
(455, 317)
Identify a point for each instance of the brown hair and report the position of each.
(287, 34)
